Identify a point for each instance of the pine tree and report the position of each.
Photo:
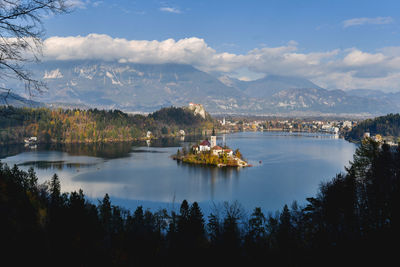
(183, 219)
(32, 179)
(138, 219)
(214, 228)
(257, 225)
(285, 228)
(196, 223)
(105, 213)
(55, 190)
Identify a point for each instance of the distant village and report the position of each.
(325, 126)
(338, 128)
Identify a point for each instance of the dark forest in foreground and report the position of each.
(352, 221)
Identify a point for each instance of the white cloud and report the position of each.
(97, 3)
(171, 10)
(364, 21)
(343, 69)
(99, 46)
(359, 58)
(82, 4)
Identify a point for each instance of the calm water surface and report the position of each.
(292, 167)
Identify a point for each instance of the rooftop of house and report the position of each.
(205, 143)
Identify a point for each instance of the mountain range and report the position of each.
(18, 101)
(147, 87)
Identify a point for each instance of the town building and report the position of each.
(228, 152)
(217, 150)
(204, 146)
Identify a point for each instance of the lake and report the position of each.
(286, 167)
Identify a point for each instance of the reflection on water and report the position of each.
(287, 167)
(11, 150)
(100, 150)
(213, 174)
(58, 164)
(146, 151)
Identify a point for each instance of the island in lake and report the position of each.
(209, 153)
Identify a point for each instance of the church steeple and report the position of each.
(213, 138)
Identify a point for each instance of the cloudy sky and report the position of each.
(336, 44)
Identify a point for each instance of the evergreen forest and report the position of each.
(387, 126)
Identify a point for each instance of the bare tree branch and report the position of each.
(21, 32)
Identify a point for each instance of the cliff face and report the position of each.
(198, 109)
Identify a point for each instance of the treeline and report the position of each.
(353, 220)
(80, 126)
(387, 126)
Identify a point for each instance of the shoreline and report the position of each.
(161, 137)
(181, 159)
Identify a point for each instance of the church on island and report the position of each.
(206, 146)
(209, 153)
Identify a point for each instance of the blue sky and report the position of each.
(338, 43)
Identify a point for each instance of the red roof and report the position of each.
(205, 143)
(217, 148)
(228, 150)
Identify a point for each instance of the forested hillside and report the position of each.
(79, 126)
(387, 126)
(178, 116)
(353, 221)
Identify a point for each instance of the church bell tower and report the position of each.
(213, 139)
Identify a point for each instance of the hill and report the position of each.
(392, 99)
(272, 84)
(16, 100)
(88, 126)
(387, 126)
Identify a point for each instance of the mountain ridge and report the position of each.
(136, 87)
